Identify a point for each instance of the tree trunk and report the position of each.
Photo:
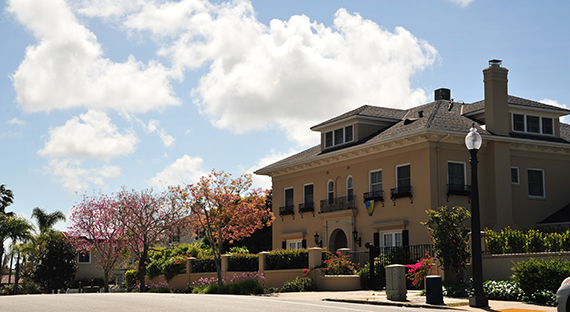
(106, 280)
(10, 268)
(17, 274)
(142, 269)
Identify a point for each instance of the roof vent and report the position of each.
(421, 113)
(442, 94)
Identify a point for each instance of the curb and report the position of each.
(396, 304)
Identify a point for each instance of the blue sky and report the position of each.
(100, 94)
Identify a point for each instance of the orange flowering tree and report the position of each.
(225, 209)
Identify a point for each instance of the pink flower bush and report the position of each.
(417, 272)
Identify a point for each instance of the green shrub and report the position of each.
(298, 284)
(163, 289)
(243, 262)
(337, 264)
(204, 265)
(174, 266)
(535, 241)
(380, 264)
(516, 241)
(503, 290)
(457, 289)
(287, 259)
(131, 277)
(539, 278)
(243, 284)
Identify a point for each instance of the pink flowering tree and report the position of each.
(95, 228)
(149, 219)
(225, 210)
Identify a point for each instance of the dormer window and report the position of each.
(533, 124)
(339, 136)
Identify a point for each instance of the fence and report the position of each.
(396, 255)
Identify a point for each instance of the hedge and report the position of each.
(243, 263)
(204, 265)
(509, 241)
(287, 259)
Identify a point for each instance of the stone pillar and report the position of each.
(189, 264)
(225, 260)
(262, 258)
(315, 257)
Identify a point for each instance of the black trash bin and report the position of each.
(434, 293)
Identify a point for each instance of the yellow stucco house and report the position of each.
(404, 162)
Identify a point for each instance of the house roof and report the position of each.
(560, 216)
(437, 116)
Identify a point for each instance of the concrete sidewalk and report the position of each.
(414, 300)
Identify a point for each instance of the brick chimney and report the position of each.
(496, 98)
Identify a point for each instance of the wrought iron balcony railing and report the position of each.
(307, 207)
(375, 195)
(459, 189)
(287, 210)
(401, 192)
(338, 204)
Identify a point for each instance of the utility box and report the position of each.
(434, 292)
(396, 282)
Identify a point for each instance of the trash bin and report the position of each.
(434, 294)
(396, 282)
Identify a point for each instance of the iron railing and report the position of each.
(287, 210)
(401, 192)
(306, 207)
(458, 189)
(338, 204)
(396, 255)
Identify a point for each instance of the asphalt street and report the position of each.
(178, 302)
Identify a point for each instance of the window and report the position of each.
(308, 194)
(339, 136)
(330, 192)
(456, 175)
(403, 178)
(289, 197)
(375, 182)
(533, 124)
(84, 257)
(536, 182)
(328, 139)
(392, 239)
(547, 127)
(349, 189)
(294, 244)
(515, 175)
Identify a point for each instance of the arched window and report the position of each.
(330, 192)
(349, 189)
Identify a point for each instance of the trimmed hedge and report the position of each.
(540, 276)
(243, 262)
(509, 241)
(204, 265)
(287, 259)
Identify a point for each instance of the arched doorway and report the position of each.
(338, 240)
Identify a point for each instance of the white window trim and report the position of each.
(298, 242)
(382, 233)
(464, 170)
(334, 143)
(543, 183)
(327, 189)
(539, 124)
(370, 179)
(285, 196)
(403, 165)
(304, 192)
(518, 176)
(346, 184)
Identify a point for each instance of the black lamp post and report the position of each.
(477, 297)
(317, 242)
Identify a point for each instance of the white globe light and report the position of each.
(473, 139)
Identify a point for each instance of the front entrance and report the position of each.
(338, 240)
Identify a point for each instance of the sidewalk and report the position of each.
(415, 300)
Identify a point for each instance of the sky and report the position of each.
(96, 95)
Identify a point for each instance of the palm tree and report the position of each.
(19, 229)
(6, 198)
(47, 220)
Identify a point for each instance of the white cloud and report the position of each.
(154, 126)
(461, 3)
(16, 121)
(75, 178)
(67, 68)
(91, 135)
(184, 170)
(565, 119)
(290, 75)
(264, 181)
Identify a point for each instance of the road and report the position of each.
(126, 302)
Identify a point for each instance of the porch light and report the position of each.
(317, 241)
(356, 238)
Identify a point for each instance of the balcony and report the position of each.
(459, 189)
(375, 196)
(401, 192)
(287, 210)
(338, 204)
(307, 207)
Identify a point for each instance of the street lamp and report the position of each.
(317, 241)
(357, 239)
(477, 298)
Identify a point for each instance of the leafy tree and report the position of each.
(149, 219)
(225, 210)
(46, 220)
(447, 232)
(6, 199)
(56, 265)
(19, 230)
(96, 228)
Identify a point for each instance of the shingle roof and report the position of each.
(368, 111)
(440, 115)
(560, 216)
